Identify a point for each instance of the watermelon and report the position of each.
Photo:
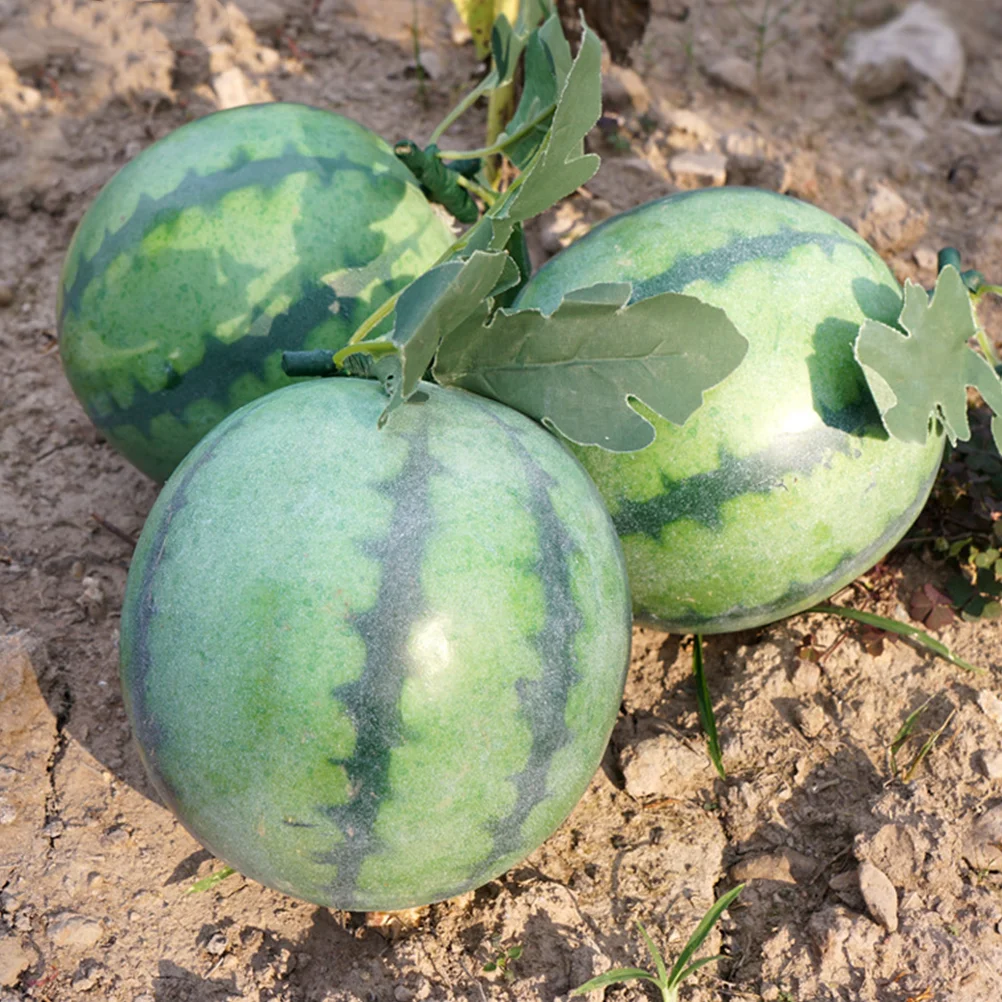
(373, 669)
(783, 486)
(240, 235)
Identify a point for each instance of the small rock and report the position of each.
(431, 65)
(659, 766)
(685, 130)
(785, 867)
(217, 944)
(6, 295)
(983, 846)
(921, 38)
(403, 994)
(989, 112)
(811, 720)
(15, 959)
(86, 980)
(807, 677)
(880, 896)
(698, 170)
(889, 223)
(70, 929)
(624, 91)
(990, 705)
(93, 599)
(925, 258)
(990, 763)
(733, 72)
(231, 88)
(266, 17)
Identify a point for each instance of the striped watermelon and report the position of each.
(783, 486)
(241, 234)
(375, 669)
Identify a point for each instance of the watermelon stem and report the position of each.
(502, 143)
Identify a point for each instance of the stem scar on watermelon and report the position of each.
(238, 236)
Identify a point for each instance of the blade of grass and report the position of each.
(207, 883)
(927, 747)
(613, 977)
(705, 705)
(655, 954)
(905, 732)
(902, 630)
(700, 933)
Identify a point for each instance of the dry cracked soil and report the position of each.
(869, 877)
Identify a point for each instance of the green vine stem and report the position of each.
(498, 147)
(489, 196)
(456, 113)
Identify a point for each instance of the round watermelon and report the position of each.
(240, 235)
(374, 669)
(783, 486)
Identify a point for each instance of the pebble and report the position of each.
(920, 39)
(684, 129)
(982, 848)
(217, 944)
(989, 112)
(231, 88)
(811, 720)
(991, 763)
(785, 867)
(661, 766)
(70, 929)
(14, 960)
(698, 170)
(880, 896)
(623, 90)
(889, 223)
(925, 258)
(990, 705)
(403, 994)
(733, 72)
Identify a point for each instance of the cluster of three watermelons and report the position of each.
(375, 668)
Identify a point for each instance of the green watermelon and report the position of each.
(242, 234)
(784, 486)
(374, 669)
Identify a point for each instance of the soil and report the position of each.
(865, 881)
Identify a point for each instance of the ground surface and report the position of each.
(93, 871)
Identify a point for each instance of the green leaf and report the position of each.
(578, 369)
(901, 629)
(923, 376)
(547, 63)
(207, 883)
(704, 703)
(560, 165)
(490, 966)
(700, 933)
(655, 953)
(432, 305)
(620, 974)
(514, 952)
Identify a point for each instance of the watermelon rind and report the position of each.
(375, 669)
(239, 235)
(784, 486)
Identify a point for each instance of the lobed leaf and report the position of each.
(560, 166)
(578, 369)
(430, 307)
(922, 376)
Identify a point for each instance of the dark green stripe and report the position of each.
(701, 497)
(198, 190)
(224, 362)
(144, 610)
(543, 701)
(716, 265)
(853, 562)
(372, 702)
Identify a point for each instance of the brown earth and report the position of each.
(863, 885)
